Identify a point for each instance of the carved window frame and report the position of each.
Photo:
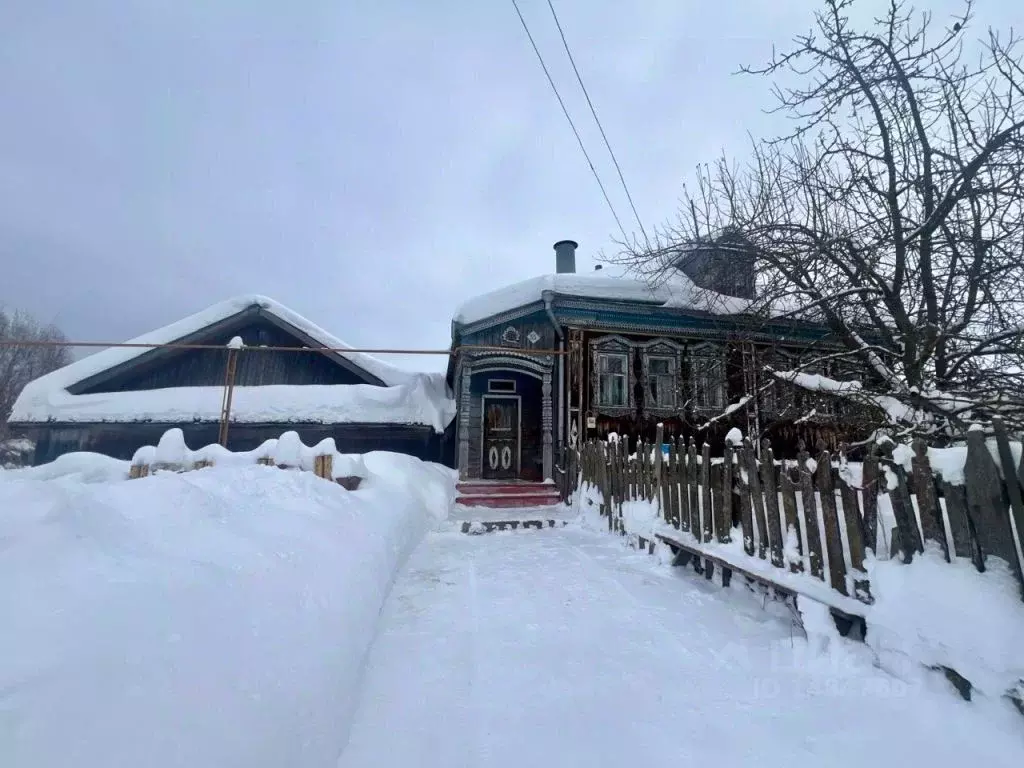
(662, 349)
(701, 357)
(617, 346)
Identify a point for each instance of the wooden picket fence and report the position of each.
(704, 499)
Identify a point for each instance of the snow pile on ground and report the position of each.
(929, 612)
(949, 614)
(208, 618)
(81, 467)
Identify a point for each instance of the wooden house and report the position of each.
(122, 398)
(559, 358)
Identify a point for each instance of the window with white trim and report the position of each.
(613, 379)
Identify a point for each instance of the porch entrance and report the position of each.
(501, 437)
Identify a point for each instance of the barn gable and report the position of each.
(257, 326)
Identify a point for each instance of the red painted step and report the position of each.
(506, 494)
(505, 489)
(514, 501)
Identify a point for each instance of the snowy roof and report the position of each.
(47, 398)
(678, 291)
(422, 402)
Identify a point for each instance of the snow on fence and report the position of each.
(171, 454)
(750, 514)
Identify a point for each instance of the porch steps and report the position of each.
(506, 495)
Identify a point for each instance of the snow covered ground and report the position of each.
(561, 647)
(219, 617)
(240, 615)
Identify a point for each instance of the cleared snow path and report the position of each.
(561, 648)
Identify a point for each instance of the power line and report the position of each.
(597, 120)
(572, 125)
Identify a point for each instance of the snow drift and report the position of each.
(210, 618)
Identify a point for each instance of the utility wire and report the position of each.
(597, 120)
(572, 125)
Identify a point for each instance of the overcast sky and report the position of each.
(370, 164)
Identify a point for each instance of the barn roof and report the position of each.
(422, 399)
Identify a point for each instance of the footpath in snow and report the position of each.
(561, 648)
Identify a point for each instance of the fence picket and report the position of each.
(771, 502)
(956, 511)
(810, 506)
(756, 498)
(927, 498)
(693, 476)
(788, 490)
(830, 517)
(724, 520)
(700, 495)
(854, 526)
(1013, 488)
(869, 497)
(746, 510)
(908, 540)
(708, 516)
(684, 487)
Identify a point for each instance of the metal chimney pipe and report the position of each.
(565, 256)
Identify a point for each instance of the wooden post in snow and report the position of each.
(229, 391)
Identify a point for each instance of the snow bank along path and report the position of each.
(219, 617)
(562, 647)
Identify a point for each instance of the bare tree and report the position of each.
(21, 364)
(893, 212)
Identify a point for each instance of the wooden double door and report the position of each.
(502, 436)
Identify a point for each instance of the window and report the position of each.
(612, 378)
(661, 382)
(707, 378)
(501, 385)
(613, 372)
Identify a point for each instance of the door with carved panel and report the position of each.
(501, 438)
